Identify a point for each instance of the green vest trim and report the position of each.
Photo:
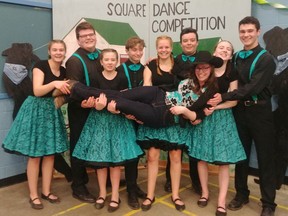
(252, 68)
(127, 75)
(85, 68)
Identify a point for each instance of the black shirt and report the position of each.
(260, 81)
(136, 77)
(182, 68)
(44, 66)
(75, 69)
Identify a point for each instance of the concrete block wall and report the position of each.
(10, 164)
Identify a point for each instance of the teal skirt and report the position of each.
(168, 138)
(216, 140)
(107, 140)
(38, 129)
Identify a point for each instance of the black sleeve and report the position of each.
(200, 114)
(201, 103)
(233, 75)
(260, 78)
(74, 69)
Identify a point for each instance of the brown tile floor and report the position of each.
(14, 200)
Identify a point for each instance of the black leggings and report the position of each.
(146, 103)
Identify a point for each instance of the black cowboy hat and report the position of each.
(205, 57)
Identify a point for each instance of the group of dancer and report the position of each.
(176, 104)
(158, 110)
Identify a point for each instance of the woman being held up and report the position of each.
(150, 105)
(107, 141)
(39, 130)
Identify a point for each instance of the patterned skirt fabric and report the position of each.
(168, 138)
(216, 139)
(107, 140)
(38, 129)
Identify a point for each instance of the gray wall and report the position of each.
(21, 24)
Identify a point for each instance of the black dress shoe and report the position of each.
(133, 201)
(147, 206)
(202, 202)
(84, 197)
(141, 194)
(237, 204)
(114, 208)
(34, 205)
(266, 211)
(60, 101)
(220, 213)
(177, 206)
(57, 200)
(99, 205)
(167, 187)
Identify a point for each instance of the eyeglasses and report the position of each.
(87, 35)
(204, 69)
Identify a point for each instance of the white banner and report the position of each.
(117, 20)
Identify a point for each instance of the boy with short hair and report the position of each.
(132, 69)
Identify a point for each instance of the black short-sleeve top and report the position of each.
(44, 66)
(117, 83)
(165, 80)
(226, 78)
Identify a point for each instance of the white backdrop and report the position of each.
(151, 18)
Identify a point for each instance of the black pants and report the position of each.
(77, 117)
(131, 175)
(193, 172)
(255, 123)
(61, 166)
(146, 103)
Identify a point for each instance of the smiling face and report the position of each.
(224, 50)
(164, 47)
(87, 39)
(189, 43)
(57, 51)
(248, 35)
(203, 72)
(109, 60)
(135, 53)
